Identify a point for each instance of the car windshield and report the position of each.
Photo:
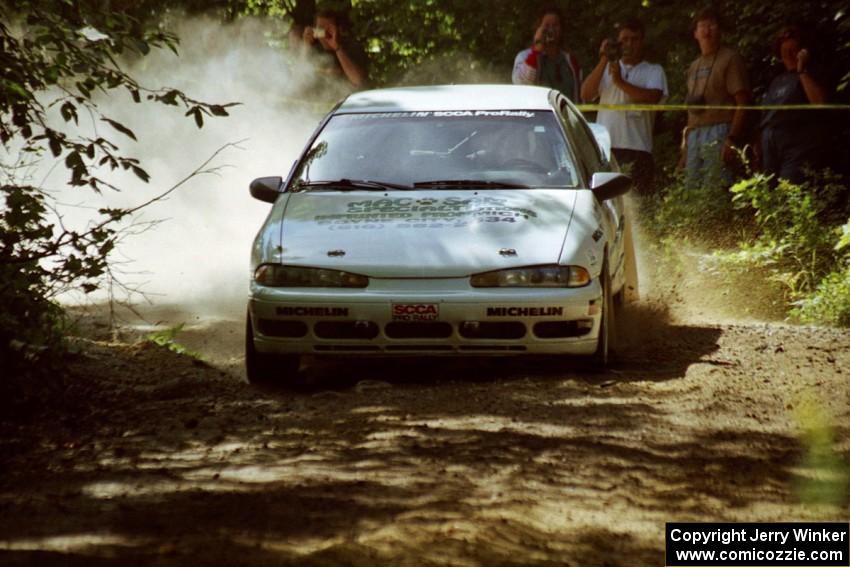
(439, 150)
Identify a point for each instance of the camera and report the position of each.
(319, 33)
(549, 36)
(613, 50)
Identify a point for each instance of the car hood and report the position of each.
(425, 233)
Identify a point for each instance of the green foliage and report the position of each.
(704, 214)
(825, 476)
(439, 41)
(165, 338)
(829, 303)
(795, 238)
(844, 240)
(793, 234)
(58, 54)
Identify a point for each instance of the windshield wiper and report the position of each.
(351, 184)
(465, 183)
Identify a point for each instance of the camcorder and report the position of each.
(613, 50)
(319, 33)
(549, 36)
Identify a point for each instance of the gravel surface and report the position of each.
(151, 457)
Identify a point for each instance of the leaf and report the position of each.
(218, 110)
(120, 127)
(141, 173)
(84, 90)
(73, 160)
(69, 112)
(17, 89)
(136, 96)
(55, 147)
(169, 98)
(113, 80)
(141, 46)
(844, 241)
(199, 117)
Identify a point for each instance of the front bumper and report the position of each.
(425, 317)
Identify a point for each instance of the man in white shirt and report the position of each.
(623, 77)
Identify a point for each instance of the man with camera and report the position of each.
(623, 77)
(718, 77)
(348, 59)
(546, 62)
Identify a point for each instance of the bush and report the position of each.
(706, 215)
(796, 228)
(829, 303)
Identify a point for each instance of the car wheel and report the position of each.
(620, 299)
(606, 344)
(262, 368)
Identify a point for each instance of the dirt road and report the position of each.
(155, 458)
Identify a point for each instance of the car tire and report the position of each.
(266, 369)
(606, 343)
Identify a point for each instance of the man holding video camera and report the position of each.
(330, 32)
(546, 62)
(623, 77)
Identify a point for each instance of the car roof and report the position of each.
(448, 97)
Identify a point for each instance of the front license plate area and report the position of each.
(415, 312)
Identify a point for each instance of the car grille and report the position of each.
(346, 330)
(282, 329)
(478, 331)
(561, 329)
(346, 348)
(418, 330)
(484, 330)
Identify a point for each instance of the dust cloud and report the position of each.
(684, 282)
(196, 252)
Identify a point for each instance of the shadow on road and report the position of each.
(414, 462)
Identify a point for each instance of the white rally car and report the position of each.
(444, 220)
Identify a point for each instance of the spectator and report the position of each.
(546, 62)
(792, 139)
(622, 76)
(717, 77)
(341, 55)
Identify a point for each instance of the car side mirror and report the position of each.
(607, 185)
(266, 188)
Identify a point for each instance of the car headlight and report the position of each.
(534, 276)
(278, 275)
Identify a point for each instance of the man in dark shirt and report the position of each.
(341, 55)
(792, 139)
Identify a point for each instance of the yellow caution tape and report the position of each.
(660, 107)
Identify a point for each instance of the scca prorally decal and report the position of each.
(372, 214)
(415, 311)
(443, 114)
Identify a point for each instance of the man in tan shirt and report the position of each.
(717, 77)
